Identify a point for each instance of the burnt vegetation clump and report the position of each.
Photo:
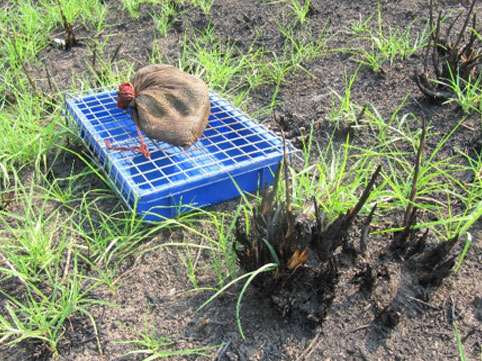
(430, 265)
(304, 249)
(308, 254)
(451, 58)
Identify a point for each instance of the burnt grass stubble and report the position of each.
(338, 292)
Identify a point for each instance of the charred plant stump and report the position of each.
(69, 36)
(432, 266)
(365, 230)
(275, 234)
(449, 58)
(407, 237)
(327, 241)
(304, 281)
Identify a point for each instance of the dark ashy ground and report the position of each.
(355, 327)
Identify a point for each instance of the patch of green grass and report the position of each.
(204, 5)
(299, 9)
(133, 6)
(85, 11)
(30, 122)
(235, 73)
(37, 251)
(386, 44)
(224, 229)
(466, 93)
(25, 28)
(361, 26)
(343, 110)
(153, 346)
(29, 128)
(167, 16)
(222, 65)
(334, 181)
(396, 142)
(294, 9)
(216, 240)
(24, 32)
(303, 49)
(33, 242)
(41, 315)
(298, 50)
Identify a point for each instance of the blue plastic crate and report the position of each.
(234, 153)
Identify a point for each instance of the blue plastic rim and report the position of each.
(235, 154)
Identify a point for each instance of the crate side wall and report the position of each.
(172, 206)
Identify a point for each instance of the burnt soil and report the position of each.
(377, 309)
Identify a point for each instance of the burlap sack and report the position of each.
(169, 105)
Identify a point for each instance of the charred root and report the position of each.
(436, 275)
(366, 279)
(434, 266)
(387, 318)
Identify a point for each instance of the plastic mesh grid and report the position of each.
(232, 144)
